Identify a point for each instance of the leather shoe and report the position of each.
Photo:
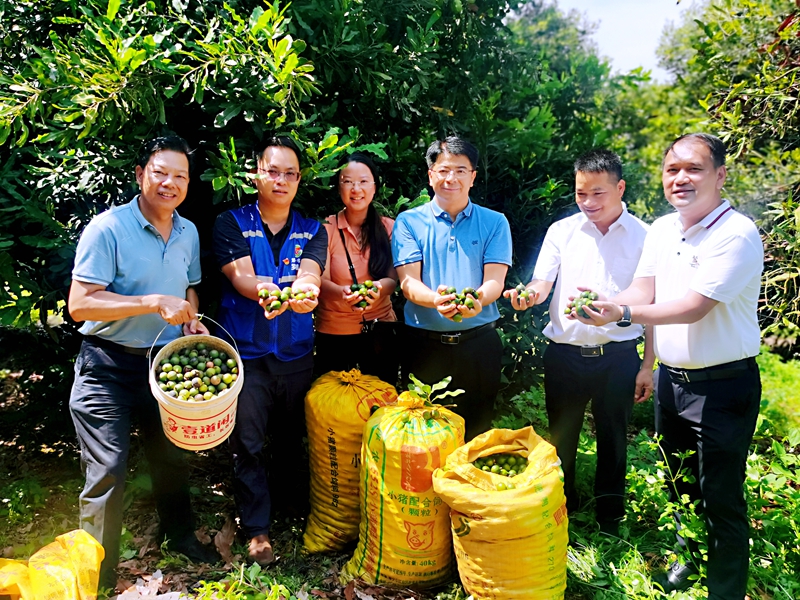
(260, 550)
(192, 549)
(677, 578)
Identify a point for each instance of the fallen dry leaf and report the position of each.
(349, 591)
(202, 535)
(224, 539)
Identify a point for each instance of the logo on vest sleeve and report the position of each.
(297, 250)
(286, 261)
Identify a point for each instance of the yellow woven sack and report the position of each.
(67, 569)
(14, 579)
(404, 537)
(337, 406)
(509, 544)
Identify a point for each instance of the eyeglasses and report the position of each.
(460, 173)
(275, 175)
(352, 184)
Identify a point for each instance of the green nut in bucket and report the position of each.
(203, 424)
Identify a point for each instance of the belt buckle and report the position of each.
(591, 351)
(680, 376)
(451, 339)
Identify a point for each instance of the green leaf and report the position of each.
(113, 7)
(226, 115)
(219, 182)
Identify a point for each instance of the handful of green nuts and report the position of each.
(460, 299)
(508, 465)
(586, 298)
(522, 291)
(278, 297)
(197, 373)
(363, 289)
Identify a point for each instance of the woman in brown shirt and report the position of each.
(347, 334)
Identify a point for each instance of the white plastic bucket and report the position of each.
(197, 425)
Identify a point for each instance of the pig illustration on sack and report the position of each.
(420, 535)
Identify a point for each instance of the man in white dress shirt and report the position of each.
(698, 284)
(600, 246)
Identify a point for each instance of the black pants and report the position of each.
(473, 363)
(570, 382)
(269, 404)
(716, 419)
(111, 391)
(363, 351)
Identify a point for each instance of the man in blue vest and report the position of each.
(267, 245)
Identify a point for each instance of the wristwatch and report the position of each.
(625, 321)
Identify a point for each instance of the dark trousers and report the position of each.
(345, 352)
(110, 389)
(570, 382)
(473, 363)
(716, 419)
(269, 404)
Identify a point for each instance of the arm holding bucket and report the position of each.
(93, 302)
(194, 326)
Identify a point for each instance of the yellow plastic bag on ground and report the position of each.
(67, 569)
(337, 407)
(404, 535)
(509, 544)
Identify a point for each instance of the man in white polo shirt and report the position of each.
(599, 246)
(698, 283)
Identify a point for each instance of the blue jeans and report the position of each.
(110, 389)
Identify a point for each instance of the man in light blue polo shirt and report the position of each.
(452, 243)
(134, 270)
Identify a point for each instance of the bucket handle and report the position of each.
(199, 317)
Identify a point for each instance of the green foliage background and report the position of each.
(83, 83)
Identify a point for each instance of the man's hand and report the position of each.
(265, 302)
(598, 313)
(307, 304)
(521, 302)
(174, 310)
(471, 309)
(644, 385)
(195, 327)
(442, 303)
(456, 312)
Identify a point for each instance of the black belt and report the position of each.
(450, 338)
(724, 371)
(599, 350)
(96, 340)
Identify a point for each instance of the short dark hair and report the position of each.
(281, 141)
(167, 142)
(600, 160)
(715, 145)
(452, 145)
